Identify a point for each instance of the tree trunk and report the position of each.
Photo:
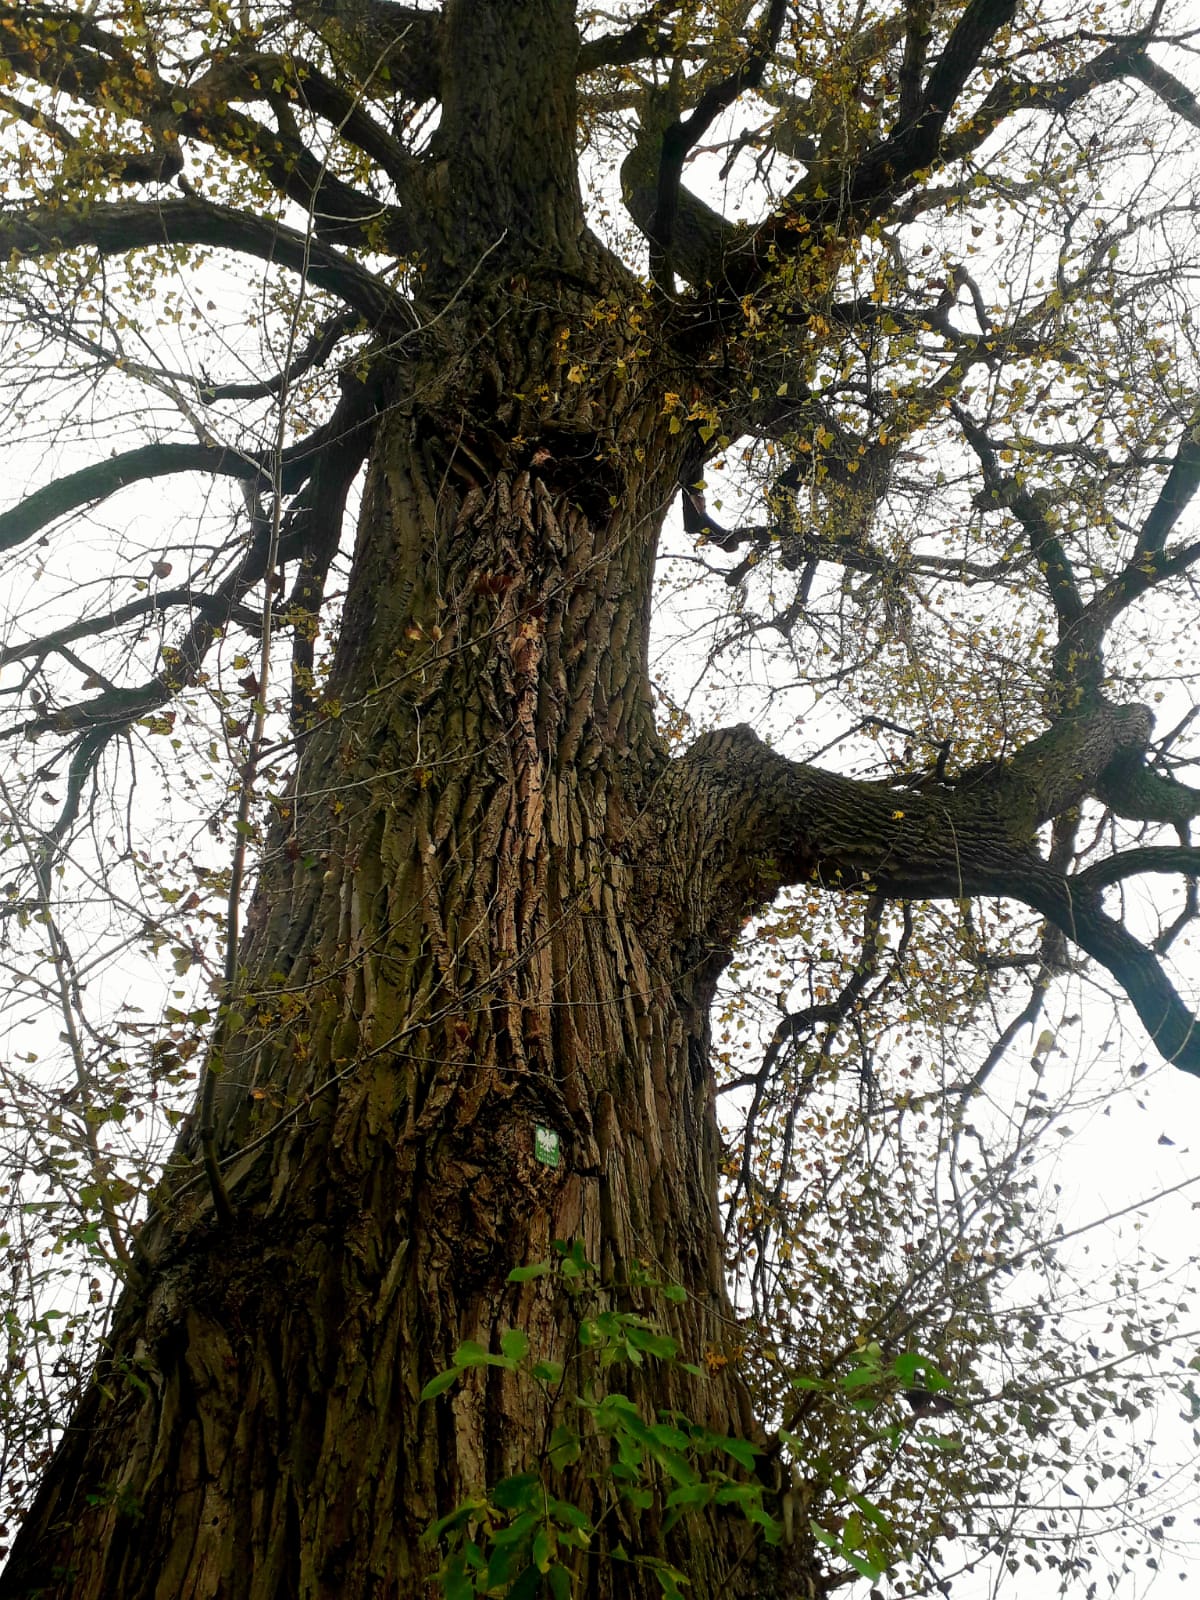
(483, 907)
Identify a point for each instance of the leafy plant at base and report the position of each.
(521, 1537)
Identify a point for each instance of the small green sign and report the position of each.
(547, 1146)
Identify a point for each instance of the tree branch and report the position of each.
(1173, 1029)
(1166, 86)
(243, 77)
(1181, 858)
(120, 225)
(877, 175)
(787, 822)
(680, 137)
(390, 45)
(1135, 791)
(147, 605)
(91, 484)
(702, 240)
(162, 162)
(314, 354)
(330, 455)
(50, 48)
(1175, 495)
(104, 478)
(644, 38)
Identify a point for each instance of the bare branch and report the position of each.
(1174, 859)
(645, 38)
(117, 226)
(107, 622)
(1167, 87)
(97, 482)
(682, 136)
(314, 354)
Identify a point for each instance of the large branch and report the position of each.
(246, 77)
(681, 136)
(389, 45)
(313, 531)
(123, 225)
(48, 47)
(91, 484)
(1167, 87)
(645, 37)
(877, 176)
(1173, 1029)
(914, 142)
(785, 822)
(1177, 859)
(862, 188)
(1176, 494)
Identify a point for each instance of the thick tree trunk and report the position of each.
(482, 909)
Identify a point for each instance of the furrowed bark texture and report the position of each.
(488, 903)
(484, 907)
(480, 910)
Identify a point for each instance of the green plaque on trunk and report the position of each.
(547, 1146)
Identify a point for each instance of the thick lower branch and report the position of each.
(786, 822)
(113, 228)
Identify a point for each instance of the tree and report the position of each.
(492, 898)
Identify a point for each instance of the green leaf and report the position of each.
(471, 1354)
(526, 1584)
(654, 1344)
(742, 1451)
(911, 1366)
(676, 1466)
(564, 1446)
(458, 1518)
(859, 1377)
(538, 1269)
(861, 1565)
(872, 1513)
(772, 1530)
(543, 1549)
(521, 1489)
(441, 1383)
(568, 1515)
(515, 1344)
(695, 1494)
(456, 1585)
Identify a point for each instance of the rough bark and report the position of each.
(488, 900)
(481, 909)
